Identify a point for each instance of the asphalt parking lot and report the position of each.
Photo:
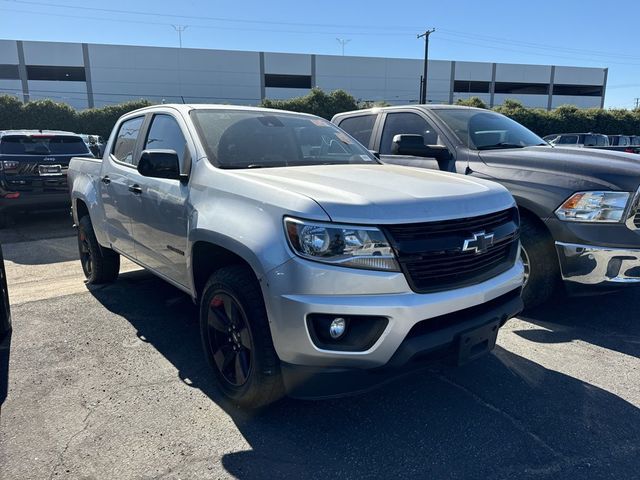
(111, 383)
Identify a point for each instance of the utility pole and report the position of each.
(423, 86)
(180, 29)
(343, 42)
(637, 100)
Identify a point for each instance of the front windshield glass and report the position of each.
(256, 139)
(485, 130)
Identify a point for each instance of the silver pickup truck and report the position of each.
(318, 270)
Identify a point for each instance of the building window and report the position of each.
(522, 88)
(287, 81)
(9, 72)
(55, 73)
(466, 86)
(578, 90)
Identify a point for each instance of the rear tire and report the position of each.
(542, 270)
(100, 264)
(236, 338)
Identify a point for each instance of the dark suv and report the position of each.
(33, 169)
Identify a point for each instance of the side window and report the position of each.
(409, 124)
(601, 140)
(165, 134)
(567, 140)
(359, 127)
(126, 140)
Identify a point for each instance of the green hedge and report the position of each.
(46, 114)
(567, 118)
(317, 103)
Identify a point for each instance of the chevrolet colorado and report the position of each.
(579, 207)
(318, 270)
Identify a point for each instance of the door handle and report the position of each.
(106, 180)
(135, 189)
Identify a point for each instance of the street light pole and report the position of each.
(343, 42)
(180, 29)
(423, 90)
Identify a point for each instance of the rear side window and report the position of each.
(165, 134)
(43, 145)
(359, 128)
(126, 140)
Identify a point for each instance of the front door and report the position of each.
(410, 123)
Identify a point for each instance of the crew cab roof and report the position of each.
(186, 108)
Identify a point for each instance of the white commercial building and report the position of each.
(88, 75)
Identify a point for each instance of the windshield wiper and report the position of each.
(500, 145)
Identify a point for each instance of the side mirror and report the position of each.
(414, 145)
(375, 153)
(160, 164)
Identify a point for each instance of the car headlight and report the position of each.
(594, 207)
(343, 245)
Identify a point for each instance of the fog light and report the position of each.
(337, 327)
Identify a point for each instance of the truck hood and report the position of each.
(598, 168)
(379, 194)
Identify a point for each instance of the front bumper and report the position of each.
(299, 288)
(464, 335)
(598, 265)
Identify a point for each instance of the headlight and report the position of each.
(594, 207)
(347, 246)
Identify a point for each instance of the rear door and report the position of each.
(37, 164)
(160, 217)
(118, 177)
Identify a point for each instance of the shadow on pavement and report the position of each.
(39, 225)
(43, 252)
(500, 417)
(610, 321)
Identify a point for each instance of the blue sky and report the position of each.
(586, 33)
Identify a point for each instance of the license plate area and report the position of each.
(49, 170)
(477, 342)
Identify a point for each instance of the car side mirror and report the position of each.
(160, 164)
(413, 145)
(375, 153)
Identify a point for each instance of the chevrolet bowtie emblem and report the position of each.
(480, 243)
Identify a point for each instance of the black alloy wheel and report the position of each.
(85, 254)
(230, 340)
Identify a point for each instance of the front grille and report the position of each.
(431, 254)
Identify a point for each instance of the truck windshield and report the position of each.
(254, 139)
(42, 145)
(485, 130)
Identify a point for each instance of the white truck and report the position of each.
(318, 270)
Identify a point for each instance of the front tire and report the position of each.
(100, 264)
(237, 339)
(542, 271)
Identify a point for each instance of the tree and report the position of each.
(317, 103)
(472, 102)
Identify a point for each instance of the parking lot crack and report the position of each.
(510, 418)
(85, 425)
